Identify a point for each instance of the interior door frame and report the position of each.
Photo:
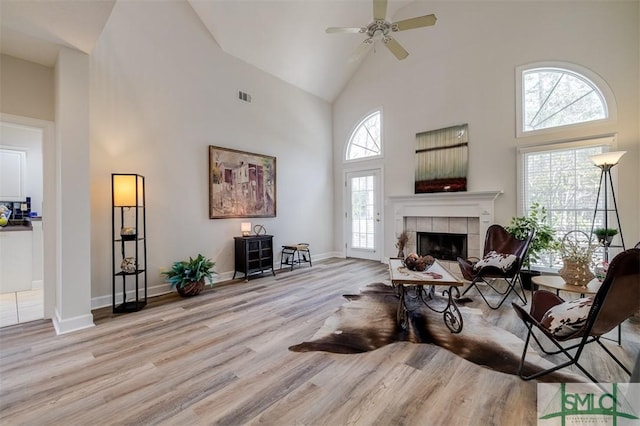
(346, 202)
(50, 203)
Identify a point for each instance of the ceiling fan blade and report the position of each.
(361, 49)
(379, 9)
(352, 30)
(409, 24)
(395, 48)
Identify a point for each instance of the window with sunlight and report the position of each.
(365, 141)
(554, 97)
(564, 180)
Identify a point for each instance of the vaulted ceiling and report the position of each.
(285, 38)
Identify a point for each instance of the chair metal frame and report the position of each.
(500, 240)
(624, 268)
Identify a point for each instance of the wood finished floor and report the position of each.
(222, 358)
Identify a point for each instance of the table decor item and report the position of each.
(403, 238)
(577, 257)
(413, 262)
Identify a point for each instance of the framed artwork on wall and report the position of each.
(441, 160)
(241, 184)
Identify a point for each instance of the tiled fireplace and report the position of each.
(461, 213)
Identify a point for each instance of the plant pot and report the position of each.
(191, 289)
(605, 240)
(525, 276)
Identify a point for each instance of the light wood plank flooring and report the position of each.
(222, 358)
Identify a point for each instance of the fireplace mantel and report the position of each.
(445, 204)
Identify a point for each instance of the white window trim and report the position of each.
(610, 140)
(598, 81)
(353, 129)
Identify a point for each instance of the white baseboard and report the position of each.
(163, 288)
(68, 325)
(152, 291)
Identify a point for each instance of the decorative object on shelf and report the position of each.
(606, 162)
(403, 238)
(577, 256)
(259, 230)
(245, 227)
(129, 243)
(188, 277)
(543, 240)
(128, 233)
(241, 184)
(128, 265)
(605, 235)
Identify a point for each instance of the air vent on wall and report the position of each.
(244, 96)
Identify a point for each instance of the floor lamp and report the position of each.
(606, 162)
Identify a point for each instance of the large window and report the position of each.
(563, 179)
(558, 95)
(365, 141)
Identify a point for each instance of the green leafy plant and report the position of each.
(544, 239)
(185, 272)
(605, 232)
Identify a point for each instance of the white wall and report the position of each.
(462, 70)
(27, 88)
(160, 95)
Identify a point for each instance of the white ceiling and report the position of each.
(285, 38)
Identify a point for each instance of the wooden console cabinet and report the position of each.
(253, 255)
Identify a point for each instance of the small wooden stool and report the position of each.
(289, 251)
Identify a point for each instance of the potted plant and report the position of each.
(544, 239)
(188, 277)
(605, 235)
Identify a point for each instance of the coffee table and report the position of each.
(558, 284)
(411, 284)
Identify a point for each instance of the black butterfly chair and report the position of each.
(502, 242)
(617, 299)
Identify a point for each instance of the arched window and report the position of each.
(365, 141)
(555, 96)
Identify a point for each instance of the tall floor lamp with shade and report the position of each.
(129, 243)
(606, 162)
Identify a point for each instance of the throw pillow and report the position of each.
(566, 318)
(497, 260)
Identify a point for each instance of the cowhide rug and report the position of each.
(368, 321)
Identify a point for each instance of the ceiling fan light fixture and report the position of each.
(380, 28)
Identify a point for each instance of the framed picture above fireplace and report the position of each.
(241, 184)
(442, 157)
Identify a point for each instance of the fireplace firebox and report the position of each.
(443, 246)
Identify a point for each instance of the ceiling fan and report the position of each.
(380, 28)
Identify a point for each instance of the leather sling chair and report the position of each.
(586, 319)
(502, 260)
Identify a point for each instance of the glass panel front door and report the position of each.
(363, 214)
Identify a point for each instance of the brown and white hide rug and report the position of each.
(368, 321)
